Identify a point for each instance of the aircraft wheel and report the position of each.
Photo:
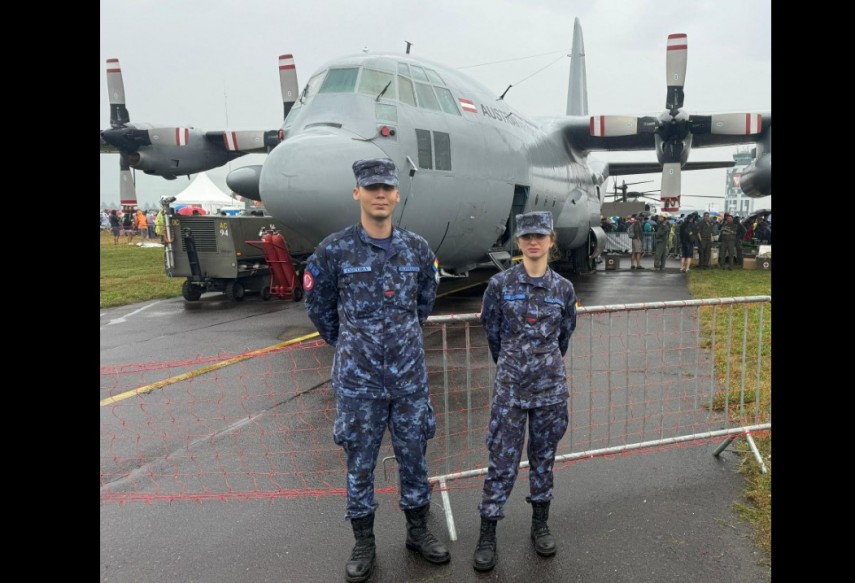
(234, 291)
(265, 293)
(297, 293)
(190, 292)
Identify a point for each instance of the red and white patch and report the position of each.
(308, 281)
(467, 105)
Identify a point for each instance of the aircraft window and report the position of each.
(427, 99)
(425, 154)
(442, 143)
(418, 73)
(386, 112)
(446, 100)
(403, 69)
(313, 84)
(372, 82)
(434, 78)
(340, 81)
(405, 91)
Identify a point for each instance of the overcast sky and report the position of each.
(213, 64)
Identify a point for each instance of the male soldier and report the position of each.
(369, 289)
(727, 238)
(660, 240)
(740, 237)
(704, 242)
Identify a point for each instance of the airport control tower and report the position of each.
(735, 202)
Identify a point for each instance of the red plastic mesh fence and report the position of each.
(259, 425)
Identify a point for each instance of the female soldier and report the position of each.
(528, 314)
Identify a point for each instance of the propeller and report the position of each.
(128, 138)
(675, 127)
(622, 191)
(119, 119)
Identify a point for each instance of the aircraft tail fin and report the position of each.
(577, 90)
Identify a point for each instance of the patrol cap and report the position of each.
(375, 171)
(539, 222)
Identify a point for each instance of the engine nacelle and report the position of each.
(244, 181)
(756, 180)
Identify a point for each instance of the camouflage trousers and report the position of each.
(359, 428)
(505, 436)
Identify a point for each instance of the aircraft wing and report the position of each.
(245, 142)
(629, 168)
(577, 133)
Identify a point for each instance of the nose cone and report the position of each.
(307, 180)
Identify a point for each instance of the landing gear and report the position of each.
(190, 292)
(234, 291)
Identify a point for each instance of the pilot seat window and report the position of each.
(427, 99)
(340, 81)
(374, 82)
(425, 154)
(405, 91)
(446, 100)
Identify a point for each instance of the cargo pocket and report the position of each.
(429, 422)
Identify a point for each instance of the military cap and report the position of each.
(375, 171)
(536, 222)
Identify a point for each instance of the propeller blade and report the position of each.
(736, 124)
(620, 125)
(675, 65)
(127, 190)
(116, 90)
(287, 82)
(670, 187)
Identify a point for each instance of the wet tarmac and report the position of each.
(658, 517)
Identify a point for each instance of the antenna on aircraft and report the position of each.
(502, 96)
(409, 44)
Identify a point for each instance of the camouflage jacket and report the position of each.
(371, 306)
(528, 327)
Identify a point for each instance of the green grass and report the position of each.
(131, 274)
(756, 509)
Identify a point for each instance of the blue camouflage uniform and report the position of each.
(528, 322)
(370, 305)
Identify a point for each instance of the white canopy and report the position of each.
(204, 193)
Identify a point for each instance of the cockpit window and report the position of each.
(403, 69)
(446, 100)
(340, 81)
(427, 99)
(405, 90)
(418, 73)
(434, 78)
(373, 82)
(312, 85)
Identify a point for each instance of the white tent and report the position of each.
(204, 193)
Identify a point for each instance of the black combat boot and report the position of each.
(544, 542)
(361, 561)
(420, 539)
(485, 553)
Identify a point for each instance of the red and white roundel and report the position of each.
(308, 281)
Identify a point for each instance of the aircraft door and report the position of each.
(517, 207)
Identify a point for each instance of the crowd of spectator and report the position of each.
(678, 237)
(132, 222)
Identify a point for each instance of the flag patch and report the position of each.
(468, 105)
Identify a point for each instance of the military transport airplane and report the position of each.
(177, 151)
(468, 162)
